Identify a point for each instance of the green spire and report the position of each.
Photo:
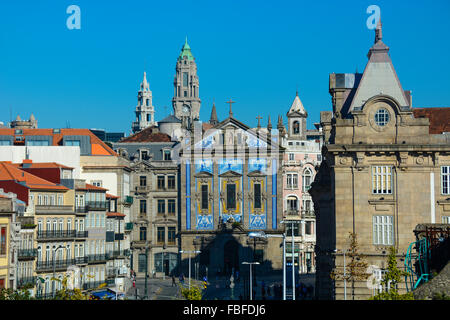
(186, 51)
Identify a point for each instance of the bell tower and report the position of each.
(186, 101)
(145, 112)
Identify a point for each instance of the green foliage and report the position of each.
(10, 294)
(68, 294)
(441, 296)
(391, 279)
(194, 294)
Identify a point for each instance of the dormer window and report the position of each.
(167, 155)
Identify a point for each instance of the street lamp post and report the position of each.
(146, 269)
(251, 285)
(54, 268)
(262, 234)
(189, 252)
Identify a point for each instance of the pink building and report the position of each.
(302, 158)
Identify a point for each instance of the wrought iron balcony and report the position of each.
(44, 296)
(308, 213)
(26, 253)
(81, 209)
(97, 258)
(55, 234)
(292, 212)
(142, 189)
(57, 264)
(81, 234)
(81, 260)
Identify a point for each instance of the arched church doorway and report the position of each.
(230, 257)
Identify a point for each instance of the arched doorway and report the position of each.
(230, 257)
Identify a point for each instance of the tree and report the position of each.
(391, 280)
(194, 293)
(69, 294)
(10, 294)
(355, 268)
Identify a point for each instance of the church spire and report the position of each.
(145, 111)
(213, 119)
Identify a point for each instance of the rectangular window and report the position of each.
(171, 235)
(292, 181)
(231, 196)
(161, 235)
(291, 157)
(142, 262)
(309, 228)
(382, 179)
(289, 229)
(204, 200)
(383, 230)
(161, 206)
(171, 206)
(257, 195)
(446, 219)
(185, 79)
(142, 233)
(143, 206)
(161, 182)
(445, 180)
(171, 182)
(75, 143)
(3, 240)
(143, 181)
(37, 143)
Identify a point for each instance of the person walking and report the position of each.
(173, 281)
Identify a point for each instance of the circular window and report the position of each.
(381, 117)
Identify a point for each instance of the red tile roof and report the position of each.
(114, 214)
(110, 196)
(41, 165)
(439, 118)
(91, 187)
(148, 135)
(98, 147)
(10, 172)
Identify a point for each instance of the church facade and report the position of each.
(231, 184)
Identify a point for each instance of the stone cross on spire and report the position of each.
(259, 123)
(231, 111)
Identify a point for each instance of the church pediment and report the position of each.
(256, 173)
(203, 174)
(230, 174)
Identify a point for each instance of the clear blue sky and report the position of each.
(255, 52)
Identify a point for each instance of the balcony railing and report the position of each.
(58, 264)
(81, 260)
(96, 205)
(81, 234)
(308, 213)
(55, 234)
(142, 189)
(97, 257)
(113, 272)
(26, 253)
(292, 212)
(81, 209)
(118, 253)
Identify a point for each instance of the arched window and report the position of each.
(296, 127)
(307, 179)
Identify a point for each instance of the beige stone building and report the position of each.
(385, 170)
